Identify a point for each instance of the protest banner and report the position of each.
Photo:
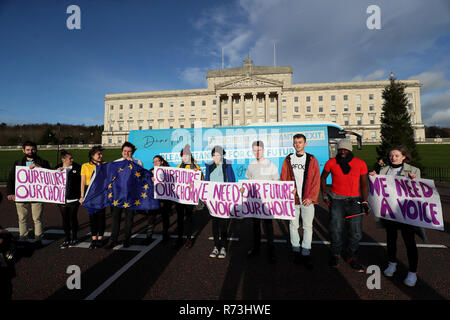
(411, 201)
(268, 199)
(176, 184)
(223, 199)
(40, 185)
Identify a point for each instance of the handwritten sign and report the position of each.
(259, 199)
(223, 199)
(40, 185)
(411, 201)
(176, 184)
(268, 199)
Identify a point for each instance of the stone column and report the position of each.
(266, 107)
(230, 100)
(220, 110)
(242, 97)
(254, 95)
(278, 106)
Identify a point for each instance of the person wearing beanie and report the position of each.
(219, 170)
(185, 210)
(346, 199)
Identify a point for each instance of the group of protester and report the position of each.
(346, 199)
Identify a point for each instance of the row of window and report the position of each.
(226, 121)
(260, 100)
(272, 111)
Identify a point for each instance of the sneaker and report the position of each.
(355, 265)
(392, 267)
(73, 243)
(410, 279)
(64, 245)
(93, 244)
(334, 261)
(99, 243)
(222, 253)
(214, 253)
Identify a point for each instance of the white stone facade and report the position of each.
(256, 94)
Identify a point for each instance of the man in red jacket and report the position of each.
(303, 168)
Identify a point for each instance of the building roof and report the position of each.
(246, 69)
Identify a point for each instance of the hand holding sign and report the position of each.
(40, 185)
(415, 202)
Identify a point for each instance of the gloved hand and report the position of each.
(365, 208)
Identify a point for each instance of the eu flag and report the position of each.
(121, 184)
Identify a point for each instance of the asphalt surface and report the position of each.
(157, 271)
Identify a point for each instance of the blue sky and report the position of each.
(49, 73)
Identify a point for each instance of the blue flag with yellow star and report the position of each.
(121, 184)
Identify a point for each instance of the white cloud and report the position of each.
(435, 111)
(376, 75)
(432, 80)
(194, 76)
(325, 40)
(440, 118)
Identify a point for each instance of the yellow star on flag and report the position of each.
(110, 186)
(137, 174)
(120, 170)
(137, 202)
(115, 203)
(144, 195)
(130, 166)
(126, 205)
(110, 195)
(146, 186)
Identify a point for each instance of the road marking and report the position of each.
(142, 235)
(49, 231)
(381, 244)
(122, 270)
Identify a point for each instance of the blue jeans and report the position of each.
(340, 208)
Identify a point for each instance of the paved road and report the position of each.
(156, 271)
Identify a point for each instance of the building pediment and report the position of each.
(249, 82)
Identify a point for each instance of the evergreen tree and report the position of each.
(396, 128)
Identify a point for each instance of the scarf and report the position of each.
(343, 162)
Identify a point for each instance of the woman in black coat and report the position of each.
(69, 210)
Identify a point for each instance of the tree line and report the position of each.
(46, 133)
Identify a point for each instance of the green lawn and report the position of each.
(432, 155)
(7, 158)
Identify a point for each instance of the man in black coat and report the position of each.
(31, 160)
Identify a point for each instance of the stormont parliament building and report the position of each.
(253, 95)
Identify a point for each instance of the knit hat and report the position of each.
(345, 144)
(186, 150)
